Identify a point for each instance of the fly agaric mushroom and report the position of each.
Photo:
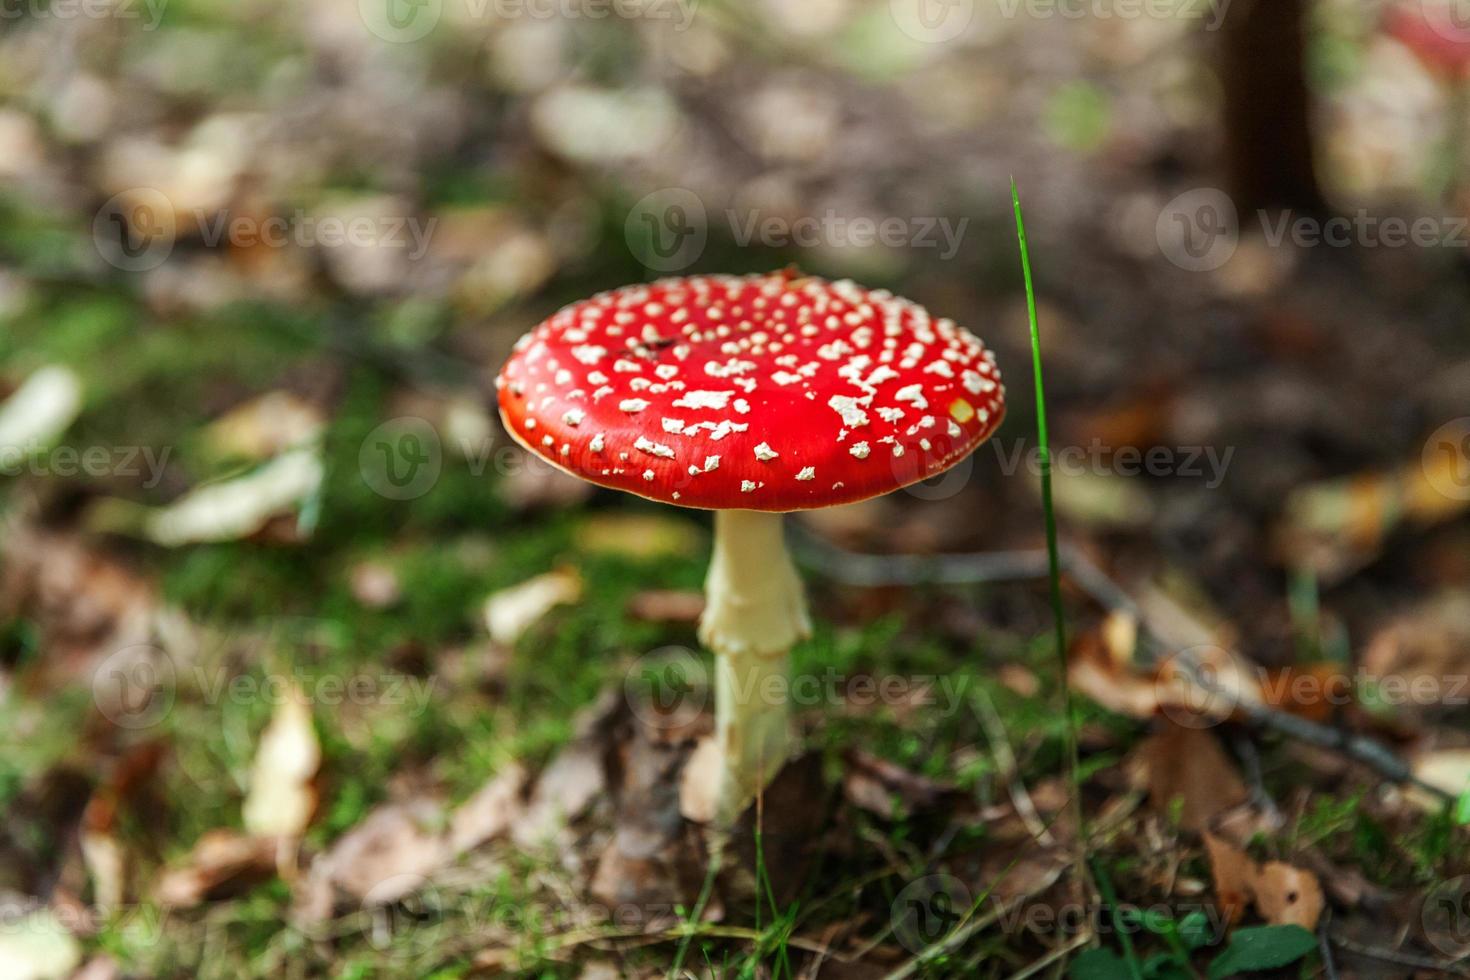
(750, 396)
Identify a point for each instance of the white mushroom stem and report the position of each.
(755, 610)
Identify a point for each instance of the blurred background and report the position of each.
(259, 264)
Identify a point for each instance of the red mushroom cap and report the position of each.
(1437, 38)
(767, 392)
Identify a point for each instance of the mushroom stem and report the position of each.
(755, 610)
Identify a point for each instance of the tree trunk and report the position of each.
(1268, 118)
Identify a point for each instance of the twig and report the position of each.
(1329, 968)
(1000, 747)
(853, 568)
(1400, 959)
(1060, 953)
(1260, 796)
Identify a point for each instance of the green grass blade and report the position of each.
(1055, 568)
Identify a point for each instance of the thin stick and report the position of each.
(1010, 771)
(1324, 945)
(1060, 953)
(871, 571)
(1400, 959)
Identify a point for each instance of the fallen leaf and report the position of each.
(1337, 526)
(239, 507)
(281, 799)
(1104, 500)
(1187, 765)
(1313, 691)
(490, 813)
(510, 612)
(265, 426)
(39, 410)
(577, 776)
(101, 967)
(1287, 895)
(1092, 672)
(390, 854)
(222, 863)
(639, 536)
(1282, 893)
(1420, 650)
(37, 947)
(91, 610)
(1234, 873)
(375, 585)
(888, 790)
(699, 783)
(1445, 769)
(667, 606)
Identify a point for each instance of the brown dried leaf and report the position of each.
(1423, 646)
(1287, 895)
(1188, 765)
(223, 862)
(888, 790)
(490, 813)
(666, 606)
(1282, 893)
(390, 854)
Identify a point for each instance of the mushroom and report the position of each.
(750, 396)
(1441, 42)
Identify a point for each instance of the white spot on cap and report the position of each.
(704, 399)
(648, 475)
(860, 450)
(746, 486)
(573, 416)
(597, 443)
(809, 473)
(848, 407)
(653, 448)
(914, 394)
(765, 453)
(633, 405)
